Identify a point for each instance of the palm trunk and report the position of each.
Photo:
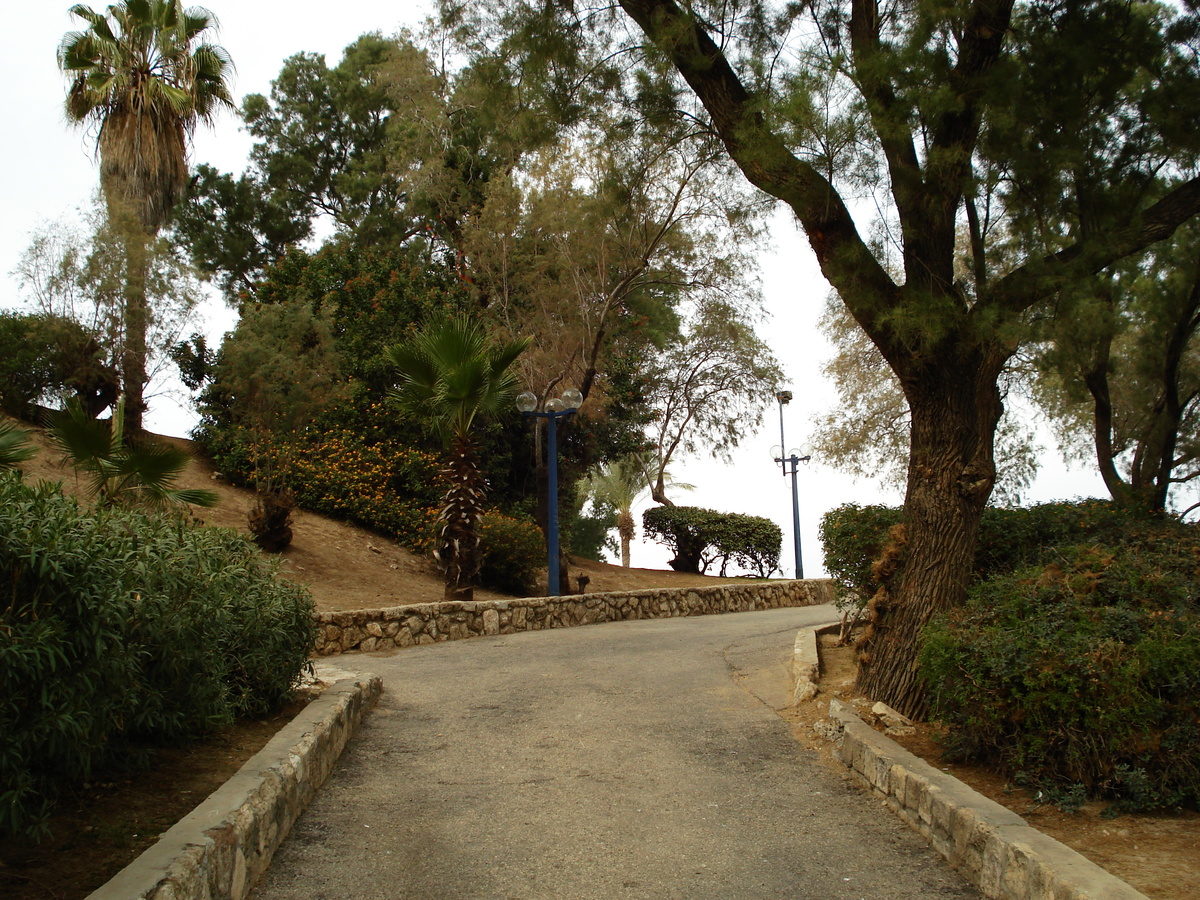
(136, 316)
(625, 530)
(457, 549)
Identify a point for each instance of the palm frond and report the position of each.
(15, 446)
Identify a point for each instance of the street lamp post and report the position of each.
(555, 409)
(790, 463)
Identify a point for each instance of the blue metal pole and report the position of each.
(552, 512)
(795, 461)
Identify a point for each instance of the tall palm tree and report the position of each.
(618, 483)
(142, 74)
(452, 375)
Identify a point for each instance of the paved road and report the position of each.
(610, 761)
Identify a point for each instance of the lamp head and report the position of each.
(784, 397)
(572, 398)
(526, 401)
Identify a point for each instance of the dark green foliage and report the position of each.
(15, 446)
(118, 629)
(46, 358)
(513, 554)
(701, 537)
(195, 361)
(854, 537)
(587, 534)
(1083, 671)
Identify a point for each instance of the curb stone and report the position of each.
(994, 848)
(222, 847)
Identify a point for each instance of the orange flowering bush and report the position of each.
(385, 486)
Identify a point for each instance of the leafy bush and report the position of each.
(854, 537)
(118, 628)
(513, 554)
(700, 537)
(1083, 671)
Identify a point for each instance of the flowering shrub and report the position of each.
(387, 487)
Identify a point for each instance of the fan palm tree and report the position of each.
(451, 375)
(142, 74)
(118, 473)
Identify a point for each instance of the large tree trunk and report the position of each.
(955, 407)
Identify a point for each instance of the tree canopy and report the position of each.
(926, 109)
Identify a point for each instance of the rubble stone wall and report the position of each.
(427, 623)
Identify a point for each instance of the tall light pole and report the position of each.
(555, 409)
(790, 463)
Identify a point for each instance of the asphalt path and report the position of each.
(628, 760)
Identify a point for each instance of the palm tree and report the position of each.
(119, 473)
(619, 483)
(451, 375)
(143, 76)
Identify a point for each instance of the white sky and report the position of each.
(47, 169)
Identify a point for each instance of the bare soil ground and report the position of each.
(1158, 855)
(105, 825)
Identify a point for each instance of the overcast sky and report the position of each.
(48, 169)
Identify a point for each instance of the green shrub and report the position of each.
(854, 537)
(1082, 674)
(118, 628)
(700, 537)
(513, 554)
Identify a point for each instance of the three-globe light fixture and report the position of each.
(790, 464)
(554, 409)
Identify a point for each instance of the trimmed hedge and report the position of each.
(700, 537)
(1081, 677)
(118, 628)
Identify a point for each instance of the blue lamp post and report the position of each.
(555, 409)
(790, 464)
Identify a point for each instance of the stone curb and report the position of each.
(222, 847)
(806, 663)
(994, 848)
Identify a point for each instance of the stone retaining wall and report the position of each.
(427, 623)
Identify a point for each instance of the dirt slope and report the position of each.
(347, 567)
